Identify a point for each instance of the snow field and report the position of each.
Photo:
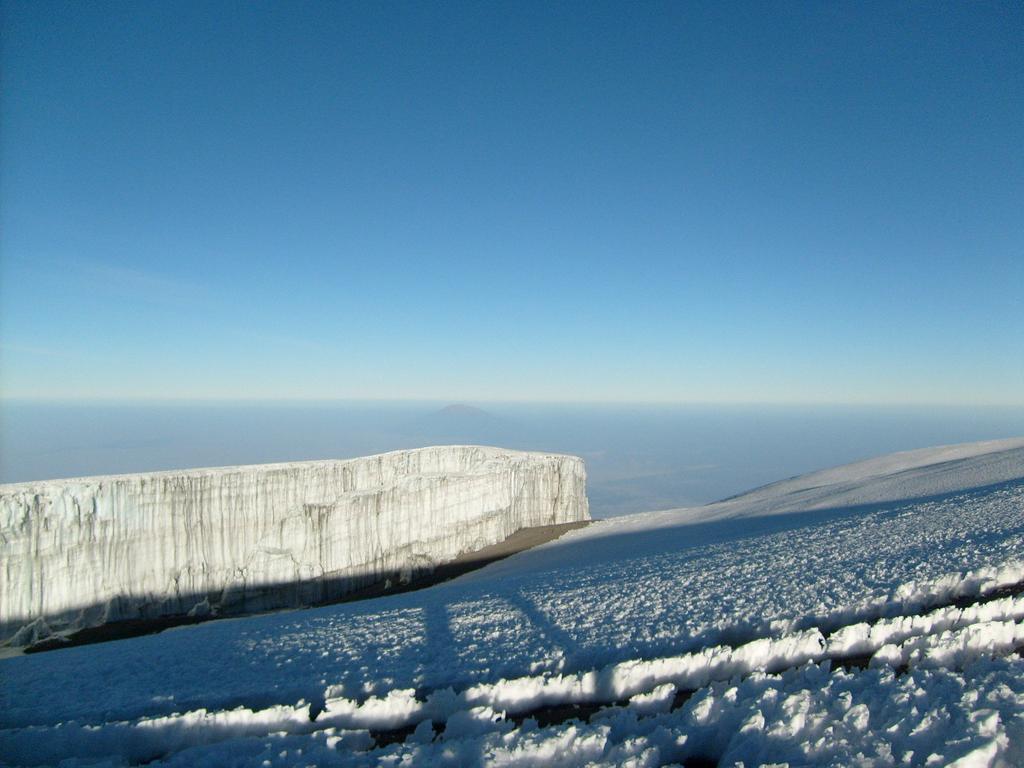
(949, 638)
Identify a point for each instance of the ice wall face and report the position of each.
(92, 550)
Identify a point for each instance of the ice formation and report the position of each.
(98, 549)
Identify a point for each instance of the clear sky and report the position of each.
(555, 201)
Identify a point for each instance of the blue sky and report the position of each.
(513, 201)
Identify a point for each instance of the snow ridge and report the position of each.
(673, 693)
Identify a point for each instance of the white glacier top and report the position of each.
(476, 455)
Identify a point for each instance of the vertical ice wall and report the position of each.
(92, 550)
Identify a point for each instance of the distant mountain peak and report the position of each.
(460, 422)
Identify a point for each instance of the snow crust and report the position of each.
(850, 630)
(91, 550)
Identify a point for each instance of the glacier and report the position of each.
(89, 551)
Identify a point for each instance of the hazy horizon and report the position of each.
(639, 456)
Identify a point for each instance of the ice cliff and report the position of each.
(89, 551)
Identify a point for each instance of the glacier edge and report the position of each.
(88, 551)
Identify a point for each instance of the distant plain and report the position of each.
(639, 457)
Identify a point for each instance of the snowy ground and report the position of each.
(866, 615)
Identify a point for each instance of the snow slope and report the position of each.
(91, 550)
(895, 477)
(868, 615)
